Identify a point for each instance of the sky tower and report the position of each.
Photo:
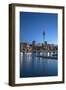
(44, 37)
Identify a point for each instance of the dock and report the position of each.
(48, 57)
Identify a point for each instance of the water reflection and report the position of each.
(32, 66)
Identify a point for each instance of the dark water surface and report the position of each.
(32, 66)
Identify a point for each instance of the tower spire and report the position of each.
(44, 37)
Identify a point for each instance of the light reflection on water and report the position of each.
(32, 66)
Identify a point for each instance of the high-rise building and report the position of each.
(33, 43)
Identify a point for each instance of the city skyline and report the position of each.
(32, 26)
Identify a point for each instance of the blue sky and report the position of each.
(32, 26)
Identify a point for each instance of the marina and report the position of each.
(44, 54)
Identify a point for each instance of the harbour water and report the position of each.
(33, 66)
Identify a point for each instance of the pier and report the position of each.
(48, 54)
